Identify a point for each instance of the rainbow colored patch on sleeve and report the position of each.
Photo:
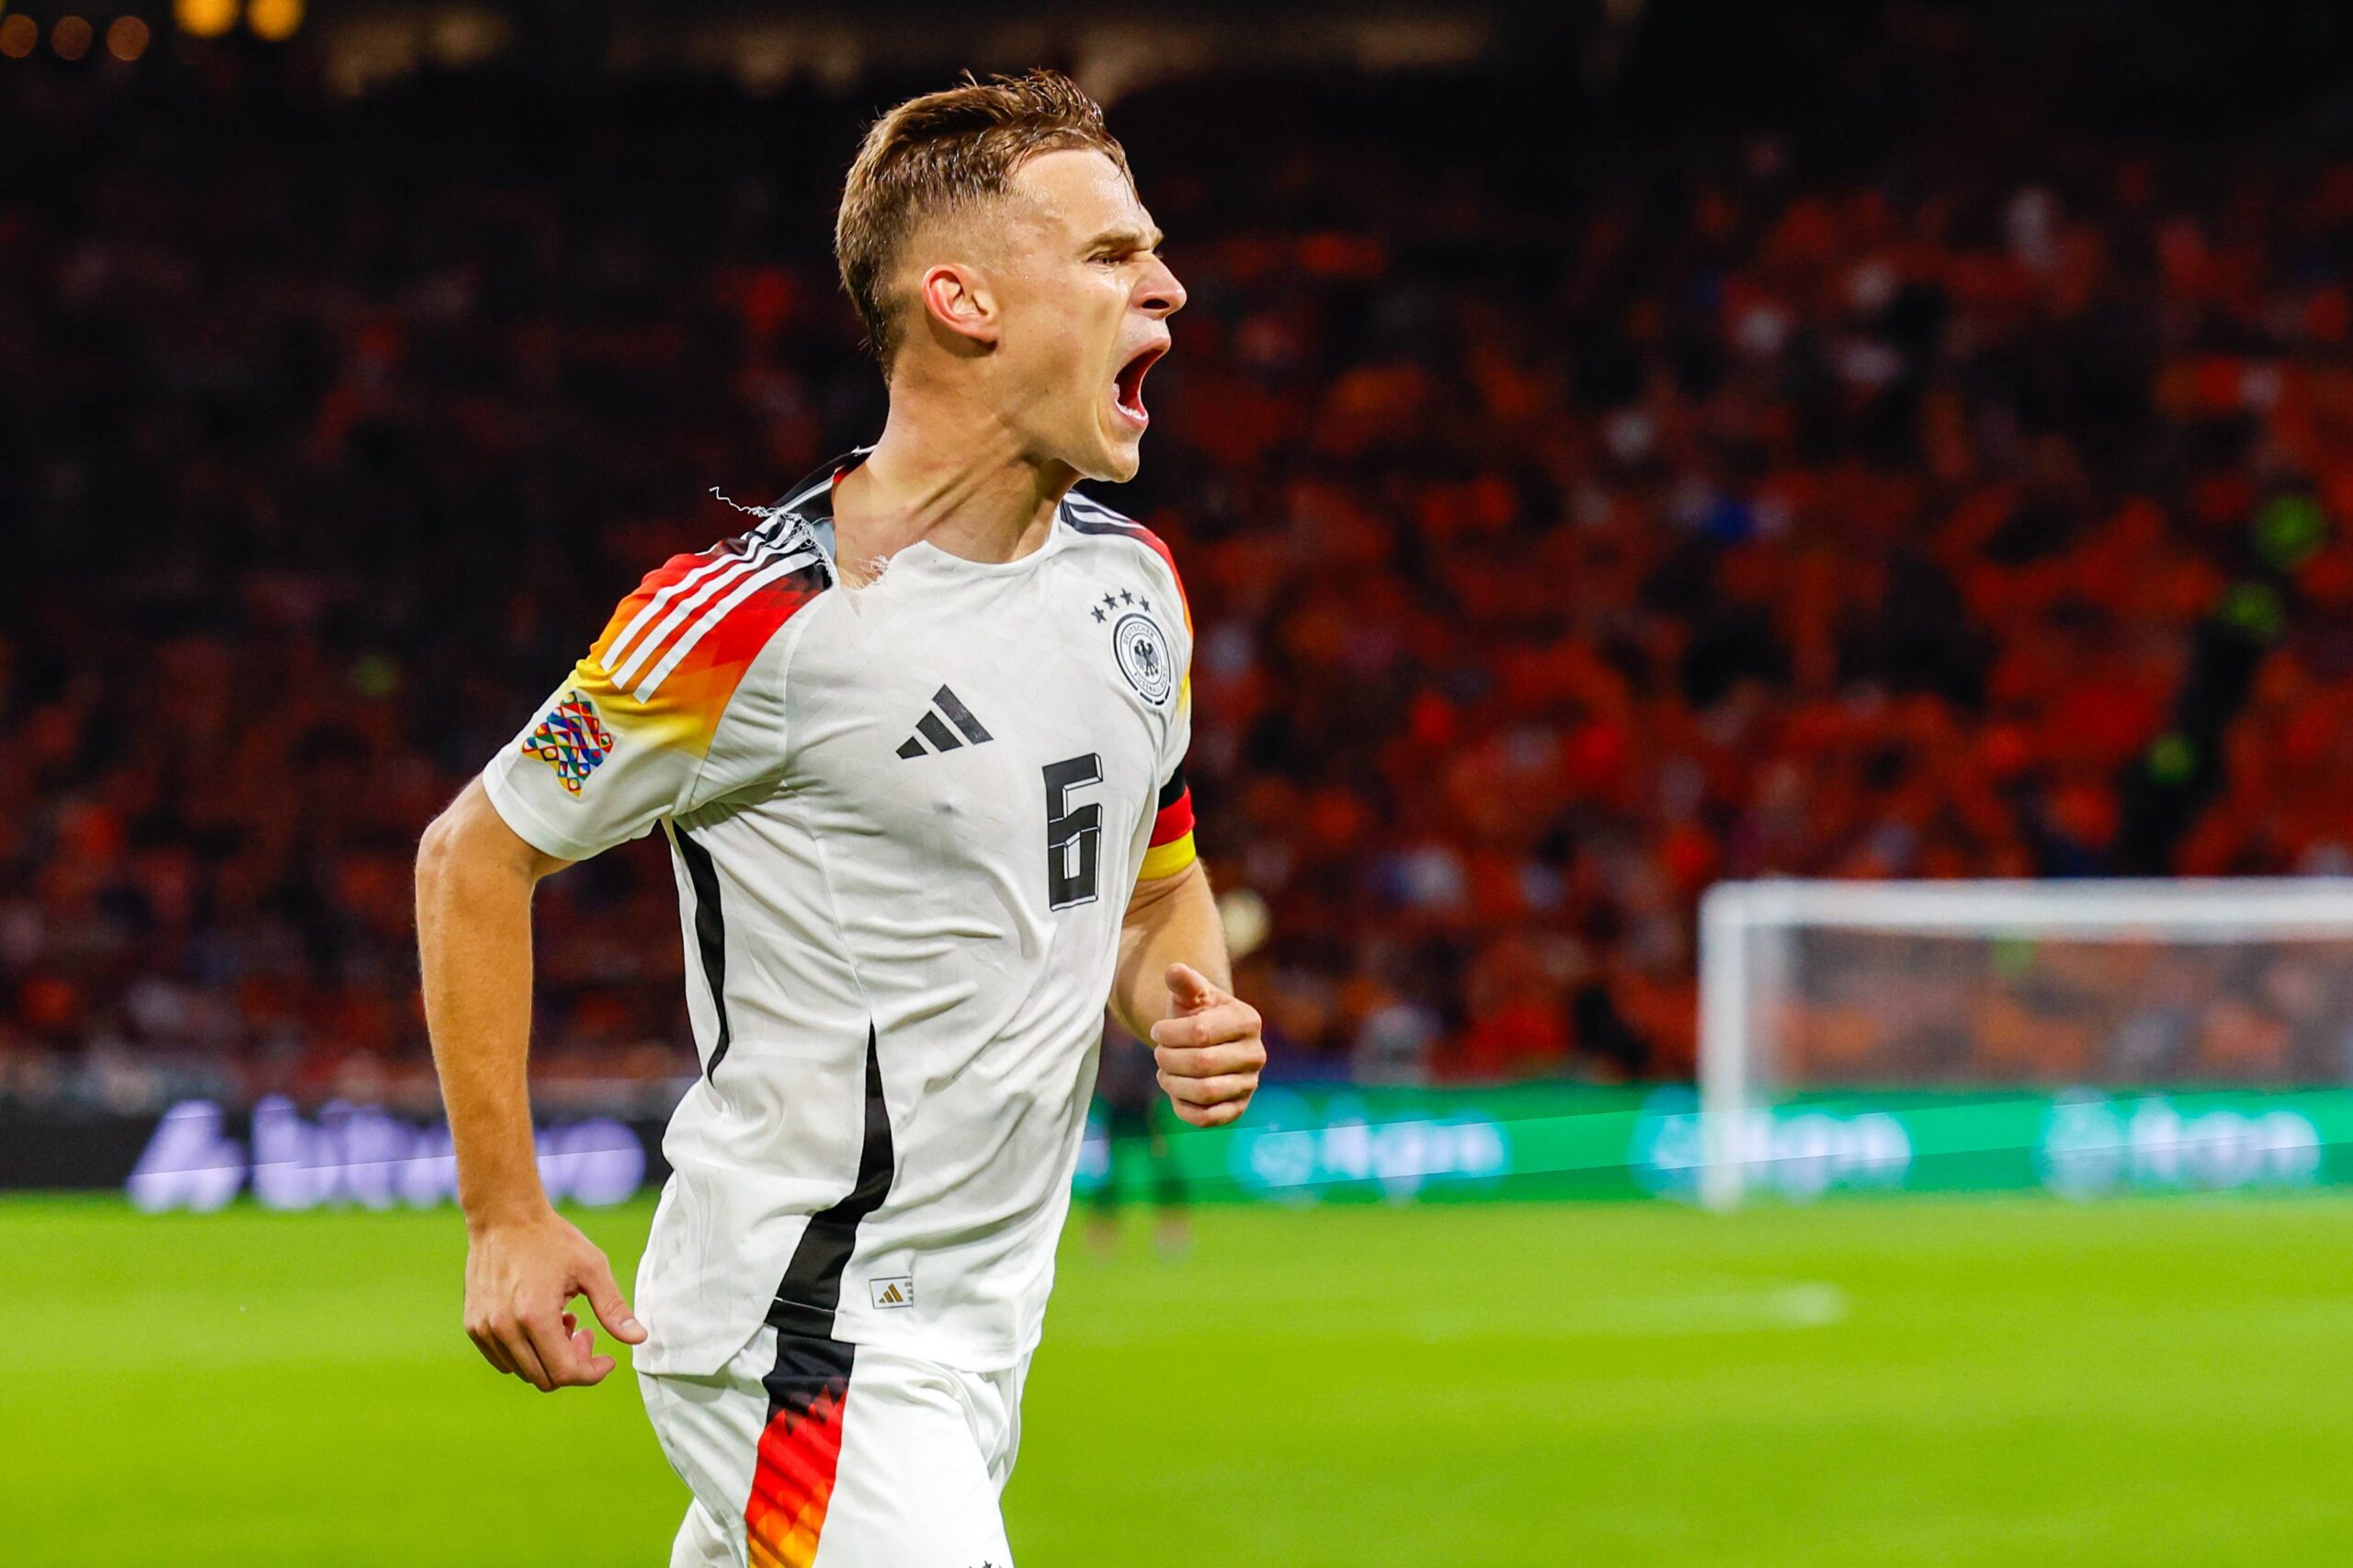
(572, 739)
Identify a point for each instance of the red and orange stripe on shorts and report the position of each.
(801, 1447)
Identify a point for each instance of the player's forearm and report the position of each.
(474, 918)
(1172, 920)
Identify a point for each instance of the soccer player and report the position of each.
(916, 743)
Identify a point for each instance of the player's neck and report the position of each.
(952, 475)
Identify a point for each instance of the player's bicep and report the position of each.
(472, 830)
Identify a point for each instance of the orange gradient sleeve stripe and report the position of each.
(792, 1480)
(673, 653)
(1184, 606)
(1160, 546)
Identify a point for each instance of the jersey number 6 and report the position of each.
(1074, 834)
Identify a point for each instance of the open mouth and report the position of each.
(1127, 386)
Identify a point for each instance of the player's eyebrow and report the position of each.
(1126, 239)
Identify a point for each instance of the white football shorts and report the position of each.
(813, 1453)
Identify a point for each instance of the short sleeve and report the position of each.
(627, 738)
(1171, 849)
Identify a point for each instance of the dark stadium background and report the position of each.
(1611, 449)
(1617, 451)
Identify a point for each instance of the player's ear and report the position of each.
(956, 302)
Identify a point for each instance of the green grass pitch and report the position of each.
(1882, 1383)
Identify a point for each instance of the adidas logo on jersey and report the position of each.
(897, 1292)
(931, 728)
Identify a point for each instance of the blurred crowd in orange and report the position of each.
(1879, 1007)
(1564, 531)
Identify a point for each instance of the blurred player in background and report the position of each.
(918, 744)
(1129, 1090)
(1135, 1120)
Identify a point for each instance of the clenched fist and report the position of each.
(1209, 1049)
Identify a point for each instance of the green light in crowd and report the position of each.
(2288, 531)
(2172, 759)
(2254, 609)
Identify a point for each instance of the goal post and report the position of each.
(1831, 987)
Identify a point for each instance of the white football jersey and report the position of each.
(905, 820)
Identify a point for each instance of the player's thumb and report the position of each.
(1190, 988)
(605, 1299)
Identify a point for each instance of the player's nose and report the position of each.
(1161, 295)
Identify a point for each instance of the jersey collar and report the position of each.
(812, 500)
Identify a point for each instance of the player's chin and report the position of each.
(1119, 452)
(1118, 461)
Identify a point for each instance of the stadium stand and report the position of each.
(1569, 522)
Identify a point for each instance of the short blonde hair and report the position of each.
(942, 151)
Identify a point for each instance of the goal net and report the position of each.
(1809, 989)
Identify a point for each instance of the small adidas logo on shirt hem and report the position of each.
(896, 1291)
(932, 727)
